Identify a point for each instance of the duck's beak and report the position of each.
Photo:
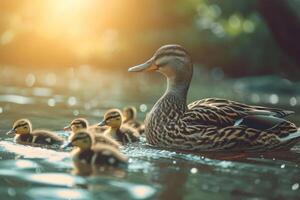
(145, 67)
(66, 145)
(103, 123)
(12, 131)
(67, 128)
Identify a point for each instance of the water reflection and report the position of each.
(52, 99)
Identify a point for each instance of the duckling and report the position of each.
(121, 133)
(98, 154)
(81, 124)
(130, 115)
(211, 124)
(22, 129)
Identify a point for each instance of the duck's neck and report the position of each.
(177, 88)
(173, 101)
(113, 131)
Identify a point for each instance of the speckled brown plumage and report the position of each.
(211, 124)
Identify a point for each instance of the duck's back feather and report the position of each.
(46, 137)
(103, 139)
(100, 155)
(222, 112)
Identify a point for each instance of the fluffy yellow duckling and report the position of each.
(81, 124)
(22, 129)
(121, 133)
(130, 119)
(99, 154)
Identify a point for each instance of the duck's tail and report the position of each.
(291, 136)
(288, 142)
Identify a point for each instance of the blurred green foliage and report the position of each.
(230, 35)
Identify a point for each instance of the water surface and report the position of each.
(51, 99)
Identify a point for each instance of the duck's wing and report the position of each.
(278, 135)
(222, 112)
(97, 129)
(129, 134)
(46, 137)
(103, 139)
(107, 155)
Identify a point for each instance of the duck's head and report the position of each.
(129, 113)
(21, 127)
(171, 60)
(77, 125)
(80, 139)
(112, 118)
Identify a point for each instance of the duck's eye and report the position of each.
(25, 127)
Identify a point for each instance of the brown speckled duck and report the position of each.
(81, 124)
(210, 124)
(120, 132)
(130, 119)
(22, 129)
(98, 154)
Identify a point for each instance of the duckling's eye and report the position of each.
(25, 127)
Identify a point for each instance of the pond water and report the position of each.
(51, 99)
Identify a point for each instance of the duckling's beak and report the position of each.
(145, 67)
(103, 123)
(66, 145)
(67, 128)
(12, 131)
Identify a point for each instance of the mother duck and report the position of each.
(210, 124)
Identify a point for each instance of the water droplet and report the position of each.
(282, 166)
(72, 101)
(11, 192)
(75, 112)
(293, 101)
(30, 80)
(141, 191)
(194, 170)
(51, 102)
(1, 110)
(38, 170)
(295, 186)
(143, 107)
(273, 98)
(174, 162)
(255, 98)
(257, 181)
(50, 79)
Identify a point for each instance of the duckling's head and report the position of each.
(21, 127)
(80, 139)
(171, 60)
(77, 125)
(129, 113)
(112, 118)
